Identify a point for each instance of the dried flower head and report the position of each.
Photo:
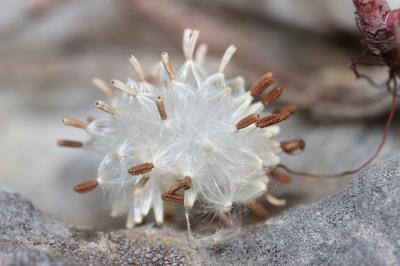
(190, 137)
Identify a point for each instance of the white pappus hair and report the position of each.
(189, 136)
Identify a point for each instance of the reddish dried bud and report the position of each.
(374, 9)
(371, 21)
(393, 18)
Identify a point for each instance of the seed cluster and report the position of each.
(187, 137)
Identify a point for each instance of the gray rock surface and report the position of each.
(27, 237)
(359, 225)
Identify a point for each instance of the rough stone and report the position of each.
(27, 237)
(359, 225)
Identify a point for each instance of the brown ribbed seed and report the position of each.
(186, 184)
(272, 119)
(293, 147)
(261, 84)
(272, 96)
(172, 197)
(86, 186)
(282, 178)
(69, 143)
(175, 187)
(286, 109)
(258, 210)
(247, 121)
(141, 169)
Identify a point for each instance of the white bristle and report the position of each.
(226, 58)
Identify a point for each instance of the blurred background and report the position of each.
(50, 50)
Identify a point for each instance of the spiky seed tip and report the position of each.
(272, 96)
(272, 119)
(258, 210)
(86, 186)
(161, 108)
(261, 84)
(185, 40)
(226, 58)
(75, 123)
(172, 197)
(141, 169)
(275, 201)
(105, 107)
(247, 121)
(293, 147)
(138, 187)
(286, 109)
(69, 143)
(123, 87)
(103, 86)
(137, 67)
(282, 178)
(201, 53)
(194, 36)
(168, 65)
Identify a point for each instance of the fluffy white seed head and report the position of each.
(153, 135)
